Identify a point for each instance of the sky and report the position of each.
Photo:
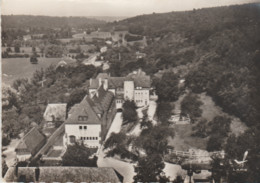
(106, 7)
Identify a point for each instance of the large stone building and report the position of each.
(136, 86)
(89, 121)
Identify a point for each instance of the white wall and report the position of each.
(141, 97)
(129, 90)
(23, 157)
(92, 92)
(93, 130)
(119, 103)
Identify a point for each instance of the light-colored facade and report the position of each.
(89, 121)
(136, 86)
(88, 134)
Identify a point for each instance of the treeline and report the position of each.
(25, 21)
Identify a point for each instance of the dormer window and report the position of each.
(83, 118)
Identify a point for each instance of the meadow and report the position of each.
(16, 68)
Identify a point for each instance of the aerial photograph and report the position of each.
(130, 91)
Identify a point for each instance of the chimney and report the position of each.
(37, 174)
(90, 81)
(99, 81)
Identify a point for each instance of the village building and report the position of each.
(62, 174)
(89, 121)
(136, 86)
(29, 145)
(54, 113)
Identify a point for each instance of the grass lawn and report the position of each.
(211, 110)
(183, 140)
(16, 68)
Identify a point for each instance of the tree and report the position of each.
(150, 169)
(33, 59)
(76, 96)
(201, 129)
(78, 155)
(129, 112)
(167, 87)
(190, 105)
(164, 112)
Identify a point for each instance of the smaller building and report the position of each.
(54, 113)
(29, 145)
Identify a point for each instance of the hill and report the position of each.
(220, 47)
(25, 21)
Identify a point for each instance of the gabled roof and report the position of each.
(83, 109)
(64, 174)
(58, 111)
(139, 77)
(31, 140)
(116, 82)
(103, 98)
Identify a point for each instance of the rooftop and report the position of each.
(31, 140)
(56, 112)
(84, 108)
(63, 174)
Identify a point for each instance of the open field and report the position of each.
(15, 68)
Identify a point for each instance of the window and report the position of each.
(85, 127)
(80, 127)
(96, 138)
(82, 118)
(90, 138)
(81, 138)
(87, 138)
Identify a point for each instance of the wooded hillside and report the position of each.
(25, 21)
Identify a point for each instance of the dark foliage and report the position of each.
(167, 87)
(190, 106)
(78, 155)
(129, 112)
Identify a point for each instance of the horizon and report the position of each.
(108, 8)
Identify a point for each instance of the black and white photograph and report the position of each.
(130, 91)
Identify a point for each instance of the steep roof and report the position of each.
(102, 75)
(31, 140)
(139, 77)
(64, 174)
(58, 111)
(103, 98)
(116, 82)
(83, 109)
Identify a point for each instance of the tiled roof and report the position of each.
(31, 140)
(140, 80)
(93, 84)
(56, 110)
(103, 98)
(116, 82)
(84, 108)
(63, 174)
(102, 75)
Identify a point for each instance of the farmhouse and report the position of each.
(29, 145)
(54, 113)
(89, 121)
(62, 174)
(136, 86)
